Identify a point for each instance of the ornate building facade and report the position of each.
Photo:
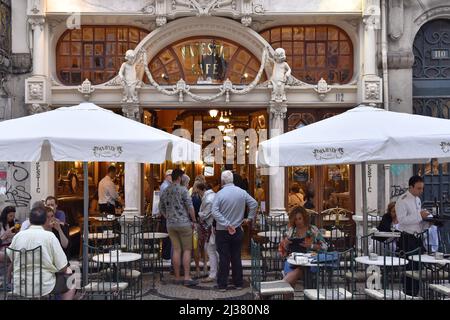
(175, 63)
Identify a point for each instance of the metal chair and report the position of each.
(330, 276)
(279, 289)
(104, 275)
(391, 281)
(26, 275)
(272, 261)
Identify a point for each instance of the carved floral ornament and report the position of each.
(164, 9)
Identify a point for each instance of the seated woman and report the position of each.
(296, 196)
(8, 226)
(389, 219)
(300, 227)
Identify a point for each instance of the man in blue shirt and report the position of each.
(228, 211)
(51, 201)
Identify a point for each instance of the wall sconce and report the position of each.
(164, 76)
(213, 113)
(221, 128)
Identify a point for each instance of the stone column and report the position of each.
(37, 24)
(132, 171)
(277, 112)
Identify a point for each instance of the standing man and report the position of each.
(175, 205)
(107, 192)
(167, 181)
(410, 222)
(51, 202)
(228, 211)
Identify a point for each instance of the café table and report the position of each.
(332, 217)
(305, 265)
(102, 236)
(389, 261)
(154, 235)
(114, 258)
(272, 235)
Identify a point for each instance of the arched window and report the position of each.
(204, 60)
(315, 51)
(94, 52)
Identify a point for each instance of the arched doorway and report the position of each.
(431, 97)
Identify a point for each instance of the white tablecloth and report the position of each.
(123, 257)
(425, 258)
(390, 261)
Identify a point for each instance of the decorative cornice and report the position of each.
(432, 13)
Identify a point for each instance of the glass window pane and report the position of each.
(67, 36)
(76, 63)
(110, 63)
(344, 47)
(333, 33)
(321, 33)
(76, 35)
(321, 49)
(88, 49)
(299, 48)
(298, 33)
(65, 76)
(321, 61)
(99, 63)
(275, 35)
(134, 35)
(286, 34)
(99, 34)
(310, 33)
(76, 48)
(64, 62)
(311, 49)
(110, 34)
(88, 63)
(122, 34)
(88, 34)
(76, 77)
(99, 49)
(111, 48)
(298, 62)
(64, 48)
(310, 61)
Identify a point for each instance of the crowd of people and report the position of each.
(46, 229)
(207, 225)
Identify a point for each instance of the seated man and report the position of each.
(51, 202)
(55, 271)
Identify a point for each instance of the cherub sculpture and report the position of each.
(281, 72)
(127, 75)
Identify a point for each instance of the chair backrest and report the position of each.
(256, 265)
(27, 272)
(371, 244)
(331, 268)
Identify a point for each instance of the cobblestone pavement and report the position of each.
(167, 290)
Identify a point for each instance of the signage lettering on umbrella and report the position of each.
(445, 146)
(328, 153)
(107, 151)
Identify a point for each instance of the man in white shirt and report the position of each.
(55, 271)
(107, 192)
(410, 222)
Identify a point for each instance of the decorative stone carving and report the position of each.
(246, 21)
(36, 90)
(36, 22)
(36, 108)
(86, 89)
(322, 88)
(132, 111)
(280, 74)
(372, 87)
(161, 20)
(278, 110)
(395, 19)
(372, 15)
(431, 14)
(127, 74)
(34, 6)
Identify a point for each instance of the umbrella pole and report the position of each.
(364, 203)
(85, 223)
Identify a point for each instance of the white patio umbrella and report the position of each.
(359, 136)
(85, 133)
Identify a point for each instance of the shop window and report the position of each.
(315, 52)
(94, 52)
(204, 60)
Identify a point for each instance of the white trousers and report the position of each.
(211, 250)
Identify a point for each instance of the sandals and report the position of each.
(190, 283)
